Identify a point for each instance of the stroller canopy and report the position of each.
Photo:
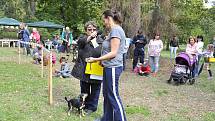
(183, 59)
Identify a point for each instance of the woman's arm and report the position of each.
(114, 43)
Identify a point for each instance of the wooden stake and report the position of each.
(19, 53)
(42, 61)
(50, 80)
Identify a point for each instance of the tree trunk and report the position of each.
(33, 7)
(131, 12)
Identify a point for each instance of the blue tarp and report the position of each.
(9, 22)
(45, 24)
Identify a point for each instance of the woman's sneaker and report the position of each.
(210, 78)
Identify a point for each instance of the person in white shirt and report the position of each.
(126, 47)
(200, 46)
(155, 47)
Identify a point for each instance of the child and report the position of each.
(208, 54)
(65, 70)
(37, 55)
(143, 69)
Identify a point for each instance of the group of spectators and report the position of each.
(155, 45)
(195, 50)
(62, 42)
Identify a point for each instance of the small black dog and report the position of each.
(77, 103)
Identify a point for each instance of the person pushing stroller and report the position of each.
(185, 64)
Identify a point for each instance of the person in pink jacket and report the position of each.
(35, 35)
(191, 48)
(192, 51)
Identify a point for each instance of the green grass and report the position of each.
(210, 116)
(7, 52)
(24, 95)
(137, 110)
(160, 92)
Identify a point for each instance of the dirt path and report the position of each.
(164, 99)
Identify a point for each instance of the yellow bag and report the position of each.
(211, 60)
(94, 68)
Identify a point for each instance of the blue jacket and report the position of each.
(26, 35)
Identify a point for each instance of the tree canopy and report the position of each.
(183, 18)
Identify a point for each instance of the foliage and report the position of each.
(72, 13)
(169, 17)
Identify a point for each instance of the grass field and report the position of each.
(24, 97)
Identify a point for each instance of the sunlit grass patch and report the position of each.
(137, 110)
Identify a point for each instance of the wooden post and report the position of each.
(42, 61)
(50, 80)
(19, 52)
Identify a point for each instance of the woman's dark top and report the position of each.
(86, 50)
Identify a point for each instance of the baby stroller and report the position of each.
(183, 69)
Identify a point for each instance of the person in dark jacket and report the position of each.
(25, 38)
(173, 46)
(87, 47)
(140, 41)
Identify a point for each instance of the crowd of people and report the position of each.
(109, 53)
(61, 43)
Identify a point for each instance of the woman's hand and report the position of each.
(91, 60)
(92, 35)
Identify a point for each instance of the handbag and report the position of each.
(78, 70)
(94, 68)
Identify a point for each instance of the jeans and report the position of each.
(154, 63)
(93, 91)
(197, 66)
(173, 50)
(26, 49)
(138, 53)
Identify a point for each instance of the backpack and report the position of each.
(20, 34)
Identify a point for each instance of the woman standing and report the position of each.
(67, 39)
(192, 51)
(112, 60)
(86, 50)
(154, 49)
(173, 46)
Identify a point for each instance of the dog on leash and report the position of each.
(77, 103)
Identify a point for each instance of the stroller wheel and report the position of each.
(177, 83)
(183, 80)
(192, 81)
(169, 81)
